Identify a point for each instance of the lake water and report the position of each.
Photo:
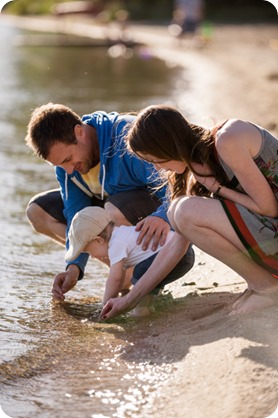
(57, 360)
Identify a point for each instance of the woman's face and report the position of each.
(167, 165)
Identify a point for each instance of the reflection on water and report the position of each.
(105, 368)
(58, 360)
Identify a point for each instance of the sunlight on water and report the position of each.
(89, 362)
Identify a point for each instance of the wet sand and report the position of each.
(213, 365)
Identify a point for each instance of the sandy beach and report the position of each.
(224, 366)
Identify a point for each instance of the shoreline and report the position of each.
(216, 69)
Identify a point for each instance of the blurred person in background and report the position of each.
(187, 18)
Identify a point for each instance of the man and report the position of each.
(92, 168)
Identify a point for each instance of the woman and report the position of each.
(224, 192)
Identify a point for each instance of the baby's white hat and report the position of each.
(86, 225)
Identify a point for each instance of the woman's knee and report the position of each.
(178, 208)
(171, 212)
(183, 212)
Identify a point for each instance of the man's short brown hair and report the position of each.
(51, 123)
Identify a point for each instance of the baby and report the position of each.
(92, 231)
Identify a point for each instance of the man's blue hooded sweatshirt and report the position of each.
(119, 171)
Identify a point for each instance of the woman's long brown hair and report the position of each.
(164, 133)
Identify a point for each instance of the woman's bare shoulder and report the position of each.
(238, 134)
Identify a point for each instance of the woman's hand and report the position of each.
(208, 180)
(153, 231)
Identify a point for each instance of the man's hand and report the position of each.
(152, 229)
(65, 281)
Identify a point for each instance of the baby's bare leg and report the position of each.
(144, 307)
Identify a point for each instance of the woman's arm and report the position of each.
(165, 261)
(237, 144)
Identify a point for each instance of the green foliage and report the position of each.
(154, 10)
(30, 7)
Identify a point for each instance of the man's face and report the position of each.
(73, 157)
